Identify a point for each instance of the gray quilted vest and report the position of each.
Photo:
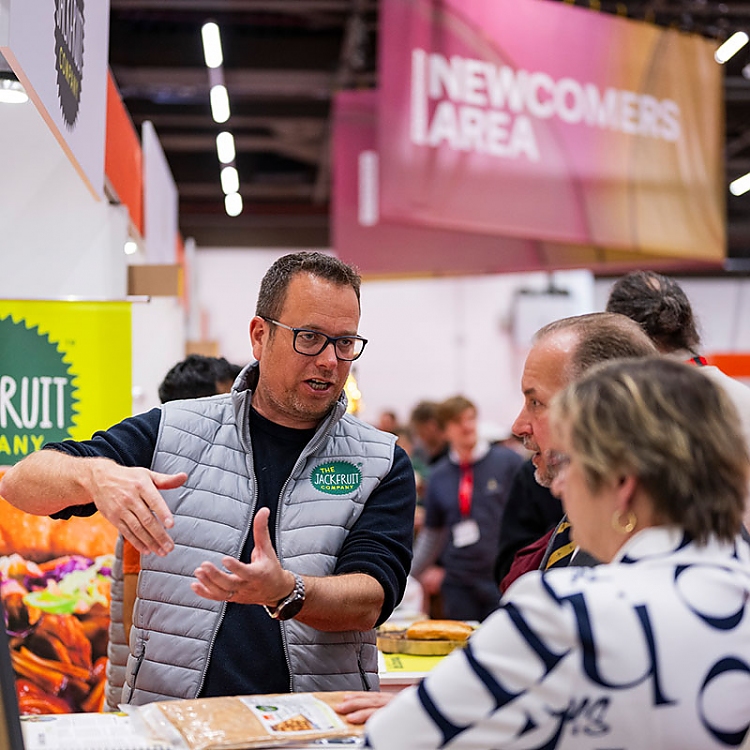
(173, 628)
(117, 648)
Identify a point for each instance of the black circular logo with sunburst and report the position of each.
(69, 23)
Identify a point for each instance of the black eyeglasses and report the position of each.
(311, 343)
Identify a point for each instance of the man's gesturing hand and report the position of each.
(262, 581)
(129, 498)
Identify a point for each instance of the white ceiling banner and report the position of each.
(59, 49)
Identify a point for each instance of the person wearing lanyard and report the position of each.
(464, 504)
(662, 309)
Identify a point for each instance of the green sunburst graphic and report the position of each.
(38, 395)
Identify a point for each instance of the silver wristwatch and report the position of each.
(290, 605)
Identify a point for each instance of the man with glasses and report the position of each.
(274, 529)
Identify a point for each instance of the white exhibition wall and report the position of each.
(432, 338)
(158, 343)
(58, 242)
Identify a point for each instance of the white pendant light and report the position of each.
(11, 89)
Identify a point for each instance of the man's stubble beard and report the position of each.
(544, 479)
(296, 408)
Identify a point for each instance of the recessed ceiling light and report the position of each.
(233, 204)
(731, 47)
(212, 45)
(219, 103)
(12, 91)
(225, 147)
(230, 180)
(741, 185)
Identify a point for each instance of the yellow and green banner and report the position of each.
(65, 371)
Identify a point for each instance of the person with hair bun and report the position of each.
(662, 309)
(650, 649)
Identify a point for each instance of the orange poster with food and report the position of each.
(55, 584)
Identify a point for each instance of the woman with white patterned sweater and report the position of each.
(651, 651)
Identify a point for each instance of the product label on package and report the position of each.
(294, 713)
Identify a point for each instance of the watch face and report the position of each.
(291, 609)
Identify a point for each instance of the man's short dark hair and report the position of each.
(660, 306)
(196, 376)
(226, 372)
(275, 283)
(424, 411)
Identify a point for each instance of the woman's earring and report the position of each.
(628, 526)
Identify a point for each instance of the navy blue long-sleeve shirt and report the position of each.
(248, 655)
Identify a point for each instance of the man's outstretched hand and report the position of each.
(261, 581)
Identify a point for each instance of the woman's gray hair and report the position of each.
(671, 427)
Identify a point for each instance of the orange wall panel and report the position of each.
(735, 365)
(123, 159)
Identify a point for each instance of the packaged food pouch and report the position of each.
(246, 721)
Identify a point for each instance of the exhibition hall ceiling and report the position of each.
(283, 61)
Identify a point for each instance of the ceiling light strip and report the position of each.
(221, 111)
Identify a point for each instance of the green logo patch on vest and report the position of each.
(336, 478)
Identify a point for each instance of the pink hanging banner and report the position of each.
(383, 248)
(379, 247)
(544, 121)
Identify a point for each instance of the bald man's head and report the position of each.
(561, 352)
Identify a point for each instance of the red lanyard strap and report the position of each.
(465, 489)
